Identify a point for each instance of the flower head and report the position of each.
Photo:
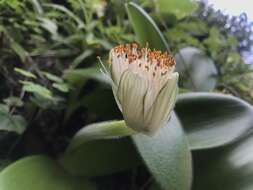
(144, 86)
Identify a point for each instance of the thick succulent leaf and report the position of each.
(180, 8)
(212, 119)
(167, 156)
(225, 168)
(145, 28)
(40, 173)
(101, 149)
(102, 130)
(197, 71)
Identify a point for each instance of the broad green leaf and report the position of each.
(225, 168)
(198, 72)
(167, 156)
(180, 8)
(101, 149)
(212, 119)
(145, 28)
(25, 73)
(40, 173)
(102, 130)
(11, 123)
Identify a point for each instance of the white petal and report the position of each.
(115, 90)
(154, 88)
(159, 113)
(131, 93)
(118, 66)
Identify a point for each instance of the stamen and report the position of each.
(153, 60)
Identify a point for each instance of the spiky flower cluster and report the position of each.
(144, 85)
(152, 64)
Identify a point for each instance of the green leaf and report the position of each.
(19, 50)
(145, 28)
(198, 72)
(167, 156)
(180, 8)
(50, 26)
(104, 148)
(13, 101)
(40, 173)
(212, 119)
(67, 12)
(25, 73)
(101, 149)
(11, 123)
(37, 7)
(78, 60)
(225, 168)
(16, 47)
(102, 130)
(52, 77)
(61, 87)
(37, 89)
(75, 76)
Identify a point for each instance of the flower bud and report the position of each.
(144, 86)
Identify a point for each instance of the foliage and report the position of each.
(51, 86)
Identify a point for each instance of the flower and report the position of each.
(144, 86)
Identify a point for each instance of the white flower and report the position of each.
(144, 86)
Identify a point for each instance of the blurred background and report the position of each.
(236, 8)
(50, 83)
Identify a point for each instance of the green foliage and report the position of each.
(167, 149)
(10, 122)
(40, 172)
(25, 73)
(51, 86)
(179, 8)
(36, 89)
